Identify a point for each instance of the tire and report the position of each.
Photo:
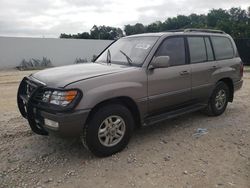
(217, 104)
(108, 131)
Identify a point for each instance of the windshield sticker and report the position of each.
(142, 46)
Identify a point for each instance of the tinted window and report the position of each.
(223, 48)
(210, 56)
(197, 49)
(175, 49)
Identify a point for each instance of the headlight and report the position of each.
(61, 98)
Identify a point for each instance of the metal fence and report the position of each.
(243, 46)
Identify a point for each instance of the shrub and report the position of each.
(34, 64)
(80, 60)
(93, 58)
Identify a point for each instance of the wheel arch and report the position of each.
(229, 83)
(123, 100)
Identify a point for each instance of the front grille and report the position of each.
(39, 96)
(29, 88)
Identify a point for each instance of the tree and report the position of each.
(66, 36)
(105, 32)
(129, 29)
(235, 21)
(153, 27)
(139, 28)
(197, 21)
(216, 15)
(84, 35)
(135, 29)
(238, 15)
(97, 32)
(183, 21)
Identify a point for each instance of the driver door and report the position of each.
(171, 86)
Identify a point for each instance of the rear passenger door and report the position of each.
(203, 66)
(226, 56)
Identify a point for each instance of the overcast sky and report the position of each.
(49, 18)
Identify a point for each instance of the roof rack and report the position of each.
(176, 30)
(197, 30)
(204, 30)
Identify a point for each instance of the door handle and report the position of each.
(182, 73)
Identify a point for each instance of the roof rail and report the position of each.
(176, 30)
(197, 30)
(204, 30)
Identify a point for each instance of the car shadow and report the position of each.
(73, 150)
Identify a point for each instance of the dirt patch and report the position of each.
(165, 155)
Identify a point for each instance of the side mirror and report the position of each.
(160, 62)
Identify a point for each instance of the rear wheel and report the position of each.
(108, 131)
(219, 100)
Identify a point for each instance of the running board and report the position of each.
(171, 114)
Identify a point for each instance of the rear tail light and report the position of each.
(241, 69)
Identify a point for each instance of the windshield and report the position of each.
(131, 51)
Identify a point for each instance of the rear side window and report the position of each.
(175, 49)
(223, 48)
(197, 49)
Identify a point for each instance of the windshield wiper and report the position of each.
(108, 57)
(127, 57)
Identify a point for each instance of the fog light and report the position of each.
(50, 123)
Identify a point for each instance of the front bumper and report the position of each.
(69, 123)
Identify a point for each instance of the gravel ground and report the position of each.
(164, 155)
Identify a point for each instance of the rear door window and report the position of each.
(174, 48)
(197, 49)
(223, 48)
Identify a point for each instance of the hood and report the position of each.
(62, 76)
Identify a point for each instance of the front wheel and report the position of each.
(108, 130)
(218, 101)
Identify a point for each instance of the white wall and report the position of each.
(59, 51)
